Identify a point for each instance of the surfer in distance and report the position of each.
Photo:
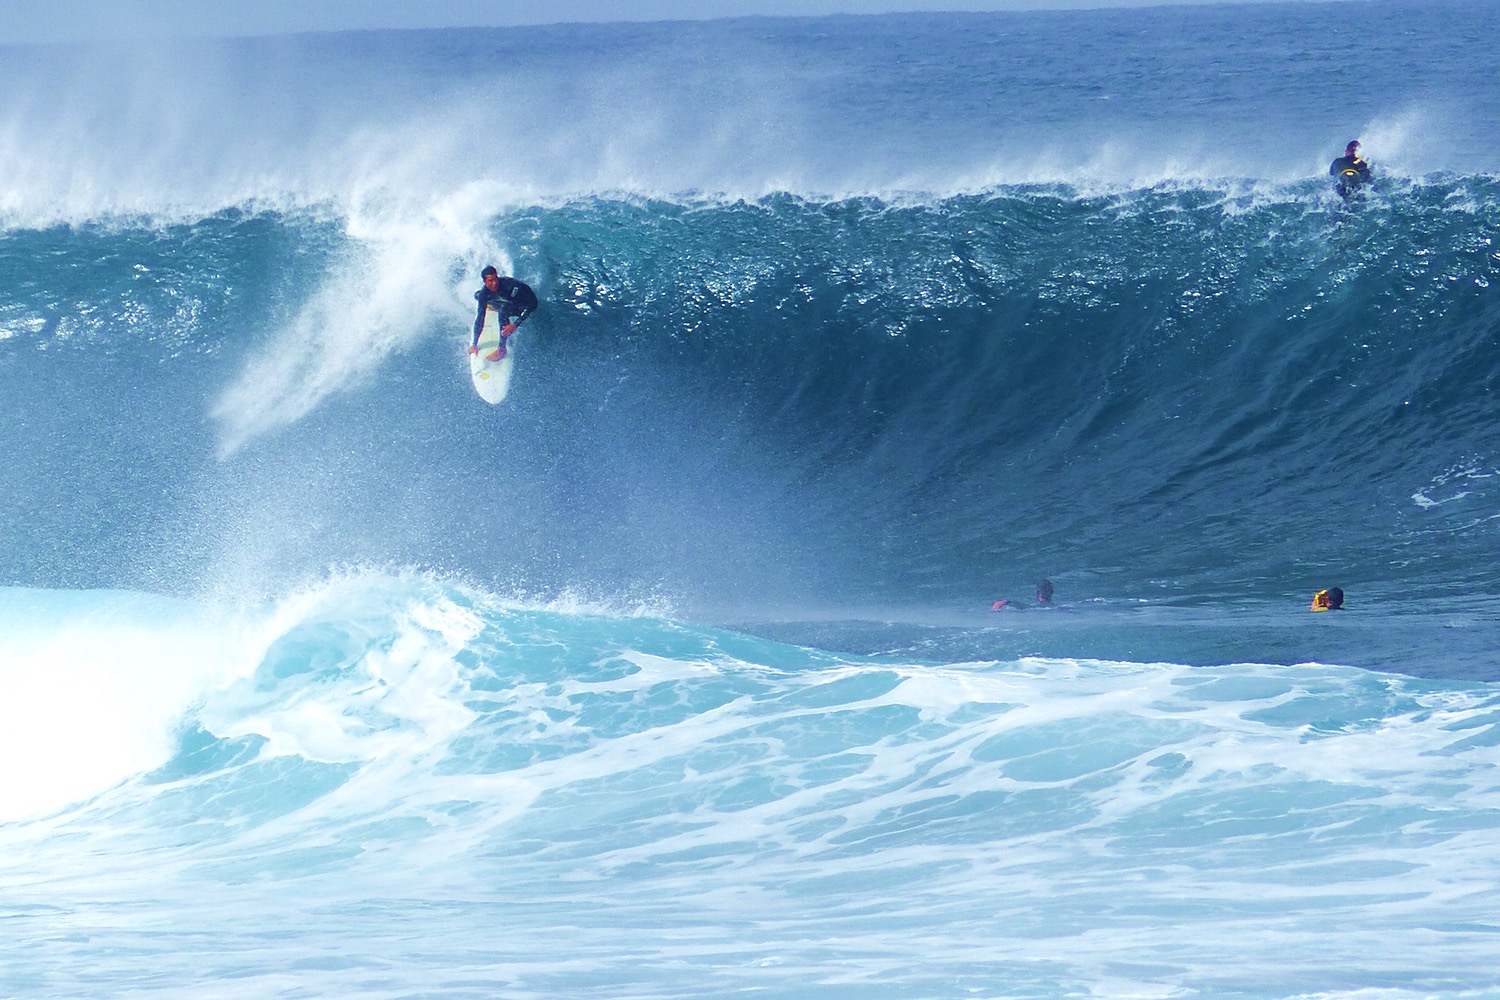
(513, 300)
(1349, 171)
(1331, 599)
(1043, 598)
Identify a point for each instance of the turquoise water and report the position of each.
(674, 675)
(386, 786)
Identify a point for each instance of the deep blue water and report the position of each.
(674, 674)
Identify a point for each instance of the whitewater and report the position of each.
(675, 674)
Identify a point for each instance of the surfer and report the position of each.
(1349, 172)
(513, 300)
(1331, 599)
(1043, 598)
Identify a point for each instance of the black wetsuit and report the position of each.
(1350, 172)
(513, 300)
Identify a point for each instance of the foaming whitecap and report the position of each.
(562, 773)
(93, 687)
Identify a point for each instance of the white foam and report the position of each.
(1116, 826)
(93, 688)
(393, 283)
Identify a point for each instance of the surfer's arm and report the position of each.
(511, 322)
(478, 322)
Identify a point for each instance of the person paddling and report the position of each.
(1331, 599)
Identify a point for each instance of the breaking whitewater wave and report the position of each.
(499, 775)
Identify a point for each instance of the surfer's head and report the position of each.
(1352, 149)
(1044, 591)
(491, 277)
(1328, 600)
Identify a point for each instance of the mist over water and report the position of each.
(674, 674)
(451, 123)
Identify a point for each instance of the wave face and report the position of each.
(751, 408)
(341, 681)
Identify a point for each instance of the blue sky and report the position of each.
(28, 21)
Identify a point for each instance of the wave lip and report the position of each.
(938, 103)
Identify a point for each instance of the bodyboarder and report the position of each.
(1349, 172)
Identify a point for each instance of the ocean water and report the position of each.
(675, 674)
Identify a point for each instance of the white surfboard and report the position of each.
(492, 378)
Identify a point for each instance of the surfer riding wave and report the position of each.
(512, 299)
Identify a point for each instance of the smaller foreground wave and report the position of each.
(771, 814)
